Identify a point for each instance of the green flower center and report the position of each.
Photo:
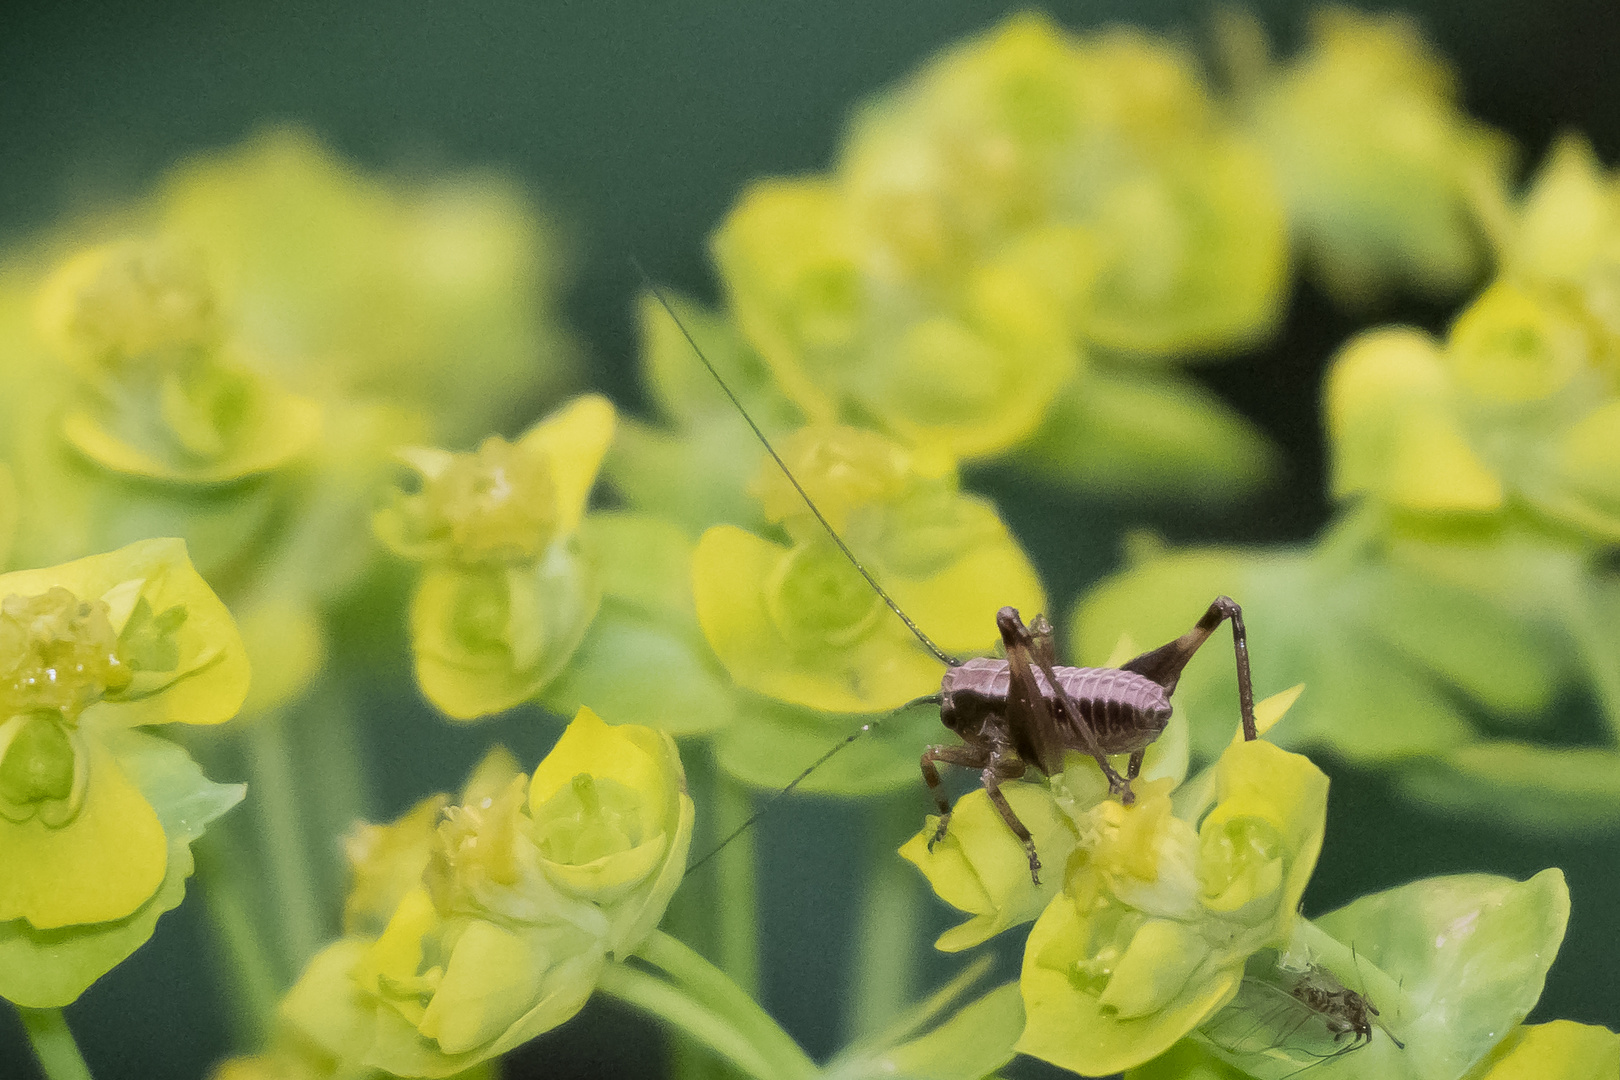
(1240, 863)
(496, 505)
(818, 600)
(57, 652)
(142, 308)
(43, 770)
(592, 818)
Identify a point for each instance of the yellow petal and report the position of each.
(574, 438)
(100, 866)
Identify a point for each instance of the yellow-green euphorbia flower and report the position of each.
(434, 293)
(1159, 911)
(1098, 164)
(162, 396)
(93, 833)
(1382, 169)
(797, 622)
(501, 914)
(968, 365)
(506, 593)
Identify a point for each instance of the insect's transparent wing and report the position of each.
(1269, 1033)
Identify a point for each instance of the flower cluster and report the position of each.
(1389, 183)
(506, 593)
(475, 925)
(1030, 214)
(1144, 929)
(96, 815)
(1480, 479)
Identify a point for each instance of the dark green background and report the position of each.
(638, 123)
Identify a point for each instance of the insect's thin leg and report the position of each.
(1163, 665)
(992, 776)
(969, 757)
(1135, 765)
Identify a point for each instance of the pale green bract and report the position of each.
(499, 913)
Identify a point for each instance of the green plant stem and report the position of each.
(1596, 652)
(53, 1044)
(223, 882)
(737, 913)
(709, 987)
(885, 952)
(653, 995)
(332, 779)
(272, 791)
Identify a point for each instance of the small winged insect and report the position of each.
(1026, 710)
(1283, 1022)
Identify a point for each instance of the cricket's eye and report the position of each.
(816, 599)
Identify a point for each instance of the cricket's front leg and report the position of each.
(969, 757)
(997, 771)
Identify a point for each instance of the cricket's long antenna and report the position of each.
(932, 699)
(944, 657)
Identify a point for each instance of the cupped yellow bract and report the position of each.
(162, 395)
(968, 363)
(1156, 919)
(506, 594)
(502, 909)
(796, 622)
(96, 817)
(982, 869)
(133, 637)
(1383, 171)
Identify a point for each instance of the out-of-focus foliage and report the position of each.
(439, 295)
(97, 816)
(475, 927)
(1384, 174)
(1463, 591)
(236, 366)
(1008, 237)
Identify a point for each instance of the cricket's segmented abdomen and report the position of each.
(1126, 711)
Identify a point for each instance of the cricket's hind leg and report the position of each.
(1163, 665)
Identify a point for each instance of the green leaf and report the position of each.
(1470, 955)
(637, 668)
(771, 742)
(1148, 434)
(1530, 789)
(973, 1042)
(49, 969)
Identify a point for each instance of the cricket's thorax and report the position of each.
(1126, 710)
